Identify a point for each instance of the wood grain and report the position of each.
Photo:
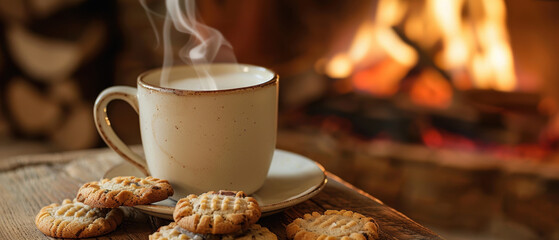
(30, 182)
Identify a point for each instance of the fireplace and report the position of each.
(434, 107)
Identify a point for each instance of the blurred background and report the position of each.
(445, 110)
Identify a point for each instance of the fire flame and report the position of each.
(465, 38)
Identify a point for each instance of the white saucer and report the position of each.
(292, 179)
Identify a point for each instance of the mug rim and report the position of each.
(144, 84)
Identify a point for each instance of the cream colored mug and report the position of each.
(200, 140)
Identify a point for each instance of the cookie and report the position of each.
(74, 219)
(333, 225)
(254, 232)
(223, 212)
(174, 232)
(124, 191)
(170, 232)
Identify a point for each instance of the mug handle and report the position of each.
(129, 95)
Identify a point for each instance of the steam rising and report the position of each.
(205, 45)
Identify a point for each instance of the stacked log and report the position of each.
(57, 56)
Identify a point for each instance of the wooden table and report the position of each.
(27, 183)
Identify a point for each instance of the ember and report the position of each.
(434, 138)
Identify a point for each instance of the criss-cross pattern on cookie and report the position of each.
(221, 212)
(74, 219)
(219, 204)
(69, 210)
(333, 225)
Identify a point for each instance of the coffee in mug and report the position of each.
(200, 139)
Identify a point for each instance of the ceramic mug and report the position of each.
(200, 140)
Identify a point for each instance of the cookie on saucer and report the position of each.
(223, 212)
(333, 225)
(175, 232)
(124, 191)
(74, 219)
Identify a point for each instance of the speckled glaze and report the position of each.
(205, 140)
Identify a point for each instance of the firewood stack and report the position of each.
(56, 56)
